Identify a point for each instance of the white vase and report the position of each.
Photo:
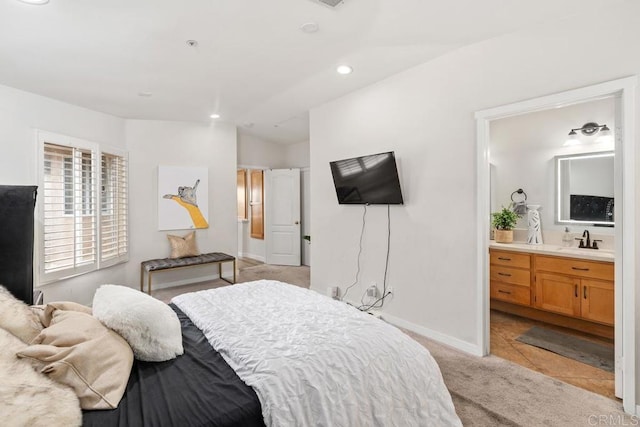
(533, 221)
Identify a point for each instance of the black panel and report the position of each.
(591, 208)
(196, 389)
(16, 240)
(367, 180)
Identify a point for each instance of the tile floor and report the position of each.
(505, 328)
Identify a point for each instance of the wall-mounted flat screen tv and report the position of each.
(367, 180)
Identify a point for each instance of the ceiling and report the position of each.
(252, 64)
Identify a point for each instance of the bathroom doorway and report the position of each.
(537, 319)
(622, 92)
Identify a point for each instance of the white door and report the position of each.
(282, 216)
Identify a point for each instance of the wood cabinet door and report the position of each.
(560, 294)
(597, 302)
(241, 181)
(257, 204)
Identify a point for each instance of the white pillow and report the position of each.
(150, 326)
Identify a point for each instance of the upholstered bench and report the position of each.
(153, 265)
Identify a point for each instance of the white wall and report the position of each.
(257, 152)
(155, 143)
(297, 155)
(426, 115)
(21, 113)
(522, 149)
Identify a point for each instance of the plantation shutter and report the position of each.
(69, 206)
(114, 231)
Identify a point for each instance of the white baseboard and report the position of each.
(434, 335)
(252, 256)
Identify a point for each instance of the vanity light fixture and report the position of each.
(589, 129)
(605, 135)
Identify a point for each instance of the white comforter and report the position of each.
(314, 361)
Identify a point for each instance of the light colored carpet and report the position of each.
(491, 391)
(487, 391)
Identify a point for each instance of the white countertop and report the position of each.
(572, 252)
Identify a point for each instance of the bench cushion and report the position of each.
(165, 263)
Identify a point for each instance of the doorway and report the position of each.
(269, 214)
(537, 318)
(624, 92)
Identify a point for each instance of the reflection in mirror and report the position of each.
(584, 185)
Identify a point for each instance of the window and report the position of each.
(76, 236)
(114, 208)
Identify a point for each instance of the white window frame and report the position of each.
(97, 150)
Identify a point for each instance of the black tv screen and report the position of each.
(367, 180)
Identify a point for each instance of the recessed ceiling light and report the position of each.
(37, 2)
(344, 69)
(215, 116)
(309, 27)
(192, 43)
(145, 94)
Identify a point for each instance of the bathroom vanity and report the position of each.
(569, 287)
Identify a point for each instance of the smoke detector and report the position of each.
(309, 27)
(330, 3)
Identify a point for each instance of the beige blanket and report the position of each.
(29, 398)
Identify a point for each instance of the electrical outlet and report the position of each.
(332, 291)
(372, 291)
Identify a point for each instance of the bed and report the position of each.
(270, 353)
(195, 389)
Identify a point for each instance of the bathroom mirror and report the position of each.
(584, 189)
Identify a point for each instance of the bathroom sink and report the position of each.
(582, 251)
